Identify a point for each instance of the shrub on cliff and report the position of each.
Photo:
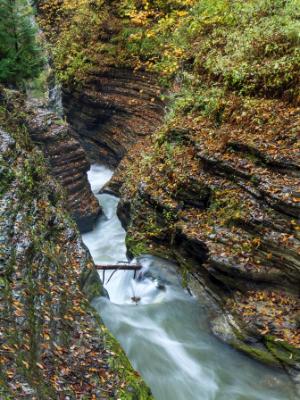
(252, 47)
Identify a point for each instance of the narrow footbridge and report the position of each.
(118, 267)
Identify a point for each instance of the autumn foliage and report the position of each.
(230, 74)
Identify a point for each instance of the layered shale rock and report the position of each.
(65, 154)
(228, 211)
(52, 344)
(112, 110)
(47, 329)
(68, 164)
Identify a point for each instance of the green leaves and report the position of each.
(20, 53)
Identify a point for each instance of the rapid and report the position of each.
(164, 329)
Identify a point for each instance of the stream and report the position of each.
(164, 330)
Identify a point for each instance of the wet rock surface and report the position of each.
(62, 149)
(52, 343)
(229, 212)
(49, 338)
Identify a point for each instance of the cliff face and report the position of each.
(68, 164)
(44, 316)
(52, 345)
(62, 149)
(224, 202)
(227, 211)
(112, 110)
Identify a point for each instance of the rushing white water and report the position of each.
(164, 331)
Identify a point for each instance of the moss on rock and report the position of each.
(51, 343)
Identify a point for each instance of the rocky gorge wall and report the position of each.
(225, 210)
(230, 221)
(112, 110)
(216, 185)
(52, 344)
(64, 153)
